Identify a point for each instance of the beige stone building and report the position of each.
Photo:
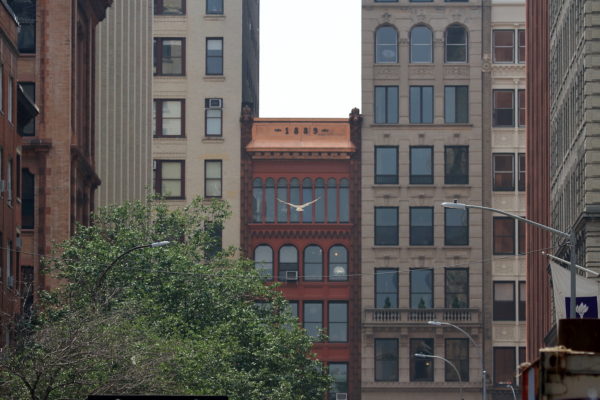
(123, 113)
(508, 191)
(426, 139)
(205, 68)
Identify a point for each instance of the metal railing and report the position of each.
(420, 315)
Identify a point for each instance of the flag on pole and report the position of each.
(588, 292)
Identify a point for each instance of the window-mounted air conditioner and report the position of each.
(341, 396)
(19, 243)
(291, 275)
(214, 103)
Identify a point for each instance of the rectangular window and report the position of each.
(338, 321)
(213, 117)
(169, 7)
(386, 288)
(522, 300)
(169, 118)
(9, 102)
(9, 183)
(522, 166)
(522, 44)
(521, 98)
(456, 227)
(504, 46)
(505, 365)
(214, 56)
(293, 308)
(504, 301)
(386, 164)
(25, 11)
(213, 178)
(457, 352)
(386, 359)
(214, 6)
(29, 90)
(421, 165)
(421, 226)
(421, 369)
(28, 200)
(521, 237)
(456, 165)
(504, 108)
(169, 178)
(421, 104)
(456, 287)
(339, 374)
(169, 56)
(504, 171)
(504, 235)
(313, 318)
(456, 104)
(215, 239)
(386, 226)
(421, 288)
(386, 104)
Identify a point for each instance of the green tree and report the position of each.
(178, 319)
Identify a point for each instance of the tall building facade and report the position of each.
(508, 164)
(124, 102)
(205, 68)
(563, 132)
(54, 69)
(313, 251)
(426, 92)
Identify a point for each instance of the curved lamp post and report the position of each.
(421, 355)
(120, 256)
(513, 390)
(479, 349)
(569, 236)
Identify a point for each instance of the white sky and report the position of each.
(309, 58)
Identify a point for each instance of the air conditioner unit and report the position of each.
(11, 281)
(291, 275)
(214, 103)
(341, 396)
(19, 243)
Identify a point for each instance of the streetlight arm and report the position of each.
(422, 355)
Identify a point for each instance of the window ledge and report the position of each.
(208, 139)
(214, 78)
(383, 246)
(441, 126)
(386, 186)
(165, 77)
(458, 247)
(214, 17)
(456, 185)
(169, 137)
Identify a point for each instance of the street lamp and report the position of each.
(421, 355)
(479, 348)
(569, 236)
(512, 389)
(112, 264)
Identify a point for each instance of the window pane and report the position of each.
(213, 122)
(338, 263)
(504, 301)
(339, 374)
(307, 196)
(172, 57)
(456, 227)
(257, 200)
(313, 318)
(214, 6)
(457, 165)
(503, 165)
(331, 201)
(313, 263)
(505, 365)
(386, 359)
(456, 104)
(421, 226)
(522, 301)
(421, 288)
(386, 45)
(456, 44)
(386, 288)
(420, 44)
(270, 200)
(294, 199)
(288, 261)
(344, 200)
(263, 261)
(320, 205)
(338, 322)
(421, 369)
(504, 235)
(386, 226)
(214, 56)
(457, 352)
(421, 165)
(386, 165)
(386, 104)
(282, 209)
(457, 288)
(504, 42)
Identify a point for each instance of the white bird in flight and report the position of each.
(297, 207)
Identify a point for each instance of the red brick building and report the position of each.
(51, 62)
(315, 252)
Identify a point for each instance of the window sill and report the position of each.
(216, 139)
(214, 17)
(456, 185)
(163, 77)
(214, 78)
(385, 246)
(441, 126)
(168, 137)
(457, 247)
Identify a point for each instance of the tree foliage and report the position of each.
(178, 319)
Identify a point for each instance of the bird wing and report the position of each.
(285, 202)
(309, 203)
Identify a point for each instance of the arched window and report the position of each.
(344, 200)
(313, 263)
(257, 200)
(294, 199)
(263, 261)
(456, 44)
(270, 200)
(386, 45)
(307, 195)
(320, 205)
(338, 263)
(282, 209)
(288, 263)
(331, 201)
(421, 44)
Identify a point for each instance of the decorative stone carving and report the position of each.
(456, 71)
(486, 63)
